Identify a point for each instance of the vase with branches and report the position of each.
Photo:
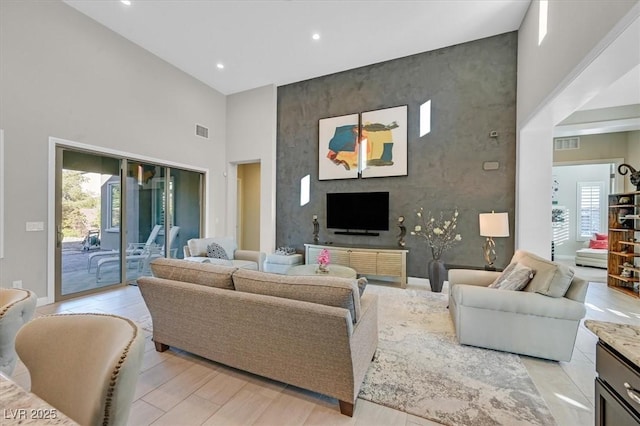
(441, 234)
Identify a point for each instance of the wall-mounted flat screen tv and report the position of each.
(365, 211)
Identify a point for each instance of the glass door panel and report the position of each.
(185, 209)
(158, 207)
(88, 222)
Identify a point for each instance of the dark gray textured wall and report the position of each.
(472, 88)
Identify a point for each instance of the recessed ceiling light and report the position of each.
(220, 66)
(126, 2)
(315, 36)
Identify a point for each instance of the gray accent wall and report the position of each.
(472, 88)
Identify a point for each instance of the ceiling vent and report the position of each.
(563, 144)
(202, 131)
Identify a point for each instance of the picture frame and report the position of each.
(338, 146)
(384, 140)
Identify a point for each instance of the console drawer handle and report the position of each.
(633, 394)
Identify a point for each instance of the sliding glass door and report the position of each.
(98, 196)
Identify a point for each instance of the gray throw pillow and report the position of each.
(515, 277)
(216, 251)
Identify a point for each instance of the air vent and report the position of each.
(563, 144)
(202, 131)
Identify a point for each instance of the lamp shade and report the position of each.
(494, 224)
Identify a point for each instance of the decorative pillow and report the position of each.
(601, 236)
(515, 277)
(323, 290)
(551, 279)
(599, 244)
(285, 251)
(503, 275)
(216, 251)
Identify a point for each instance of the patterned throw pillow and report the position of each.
(285, 251)
(515, 277)
(216, 251)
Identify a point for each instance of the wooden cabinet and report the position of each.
(623, 268)
(374, 261)
(617, 389)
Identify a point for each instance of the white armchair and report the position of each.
(540, 321)
(196, 251)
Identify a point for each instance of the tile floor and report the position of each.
(178, 388)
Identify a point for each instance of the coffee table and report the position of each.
(334, 271)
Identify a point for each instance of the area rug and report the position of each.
(419, 368)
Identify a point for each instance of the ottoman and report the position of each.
(279, 263)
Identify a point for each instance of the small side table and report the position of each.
(280, 264)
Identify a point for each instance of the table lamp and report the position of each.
(492, 225)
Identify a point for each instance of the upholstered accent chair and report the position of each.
(17, 306)
(541, 320)
(85, 365)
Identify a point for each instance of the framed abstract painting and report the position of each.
(384, 140)
(338, 147)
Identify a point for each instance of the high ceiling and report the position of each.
(270, 42)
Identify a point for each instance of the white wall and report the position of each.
(574, 29)
(568, 177)
(251, 137)
(588, 46)
(63, 75)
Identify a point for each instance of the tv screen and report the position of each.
(368, 211)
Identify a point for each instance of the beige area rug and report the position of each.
(420, 368)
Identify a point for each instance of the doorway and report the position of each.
(248, 208)
(97, 197)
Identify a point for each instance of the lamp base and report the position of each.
(489, 250)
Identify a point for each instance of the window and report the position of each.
(590, 209)
(113, 189)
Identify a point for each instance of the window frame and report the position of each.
(580, 186)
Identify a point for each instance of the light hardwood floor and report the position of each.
(178, 388)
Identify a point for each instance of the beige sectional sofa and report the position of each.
(541, 320)
(315, 332)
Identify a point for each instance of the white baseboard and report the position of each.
(43, 301)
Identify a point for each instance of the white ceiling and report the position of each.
(269, 42)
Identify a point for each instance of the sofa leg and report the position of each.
(346, 408)
(161, 347)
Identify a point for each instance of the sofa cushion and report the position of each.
(515, 277)
(324, 290)
(198, 246)
(194, 272)
(551, 279)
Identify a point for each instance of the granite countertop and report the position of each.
(624, 338)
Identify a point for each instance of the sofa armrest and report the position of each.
(518, 302)
(251, 255)
(472, 277)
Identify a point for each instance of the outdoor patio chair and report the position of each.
(141, 258)
(132, 248)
